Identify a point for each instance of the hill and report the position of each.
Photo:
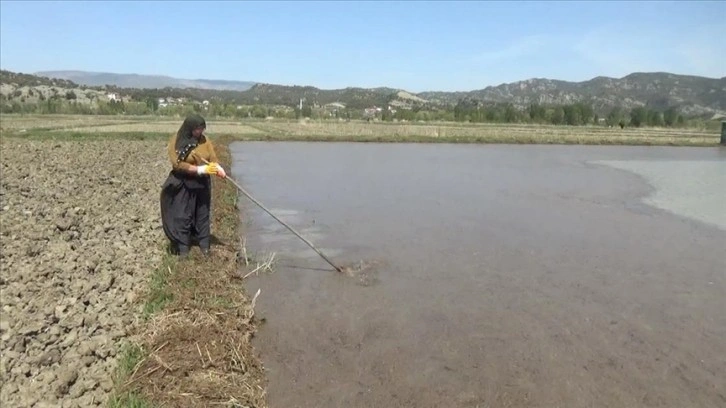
(144, 81)
(357, 98)
(20, 79)
(692, 95)
(31, 89)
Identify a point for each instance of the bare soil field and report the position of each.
(33, 122)
(80, 233)
(167, 127)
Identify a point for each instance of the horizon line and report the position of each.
(42, 73)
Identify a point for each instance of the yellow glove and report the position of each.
(211, 168)
(214, 168)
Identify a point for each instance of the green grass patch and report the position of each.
(131, 355)
(129, 400)
(212, 302)
(129, 358)
(159, 293)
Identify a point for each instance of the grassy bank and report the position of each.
(497, 139)
(194, 349)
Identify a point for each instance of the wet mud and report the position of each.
(508, 276)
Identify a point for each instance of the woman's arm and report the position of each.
(213, 159)
(212, 152)
(179, 165)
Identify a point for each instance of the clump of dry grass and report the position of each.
(265, 265)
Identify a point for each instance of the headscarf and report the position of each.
(185, 142)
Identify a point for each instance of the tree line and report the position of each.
(576, 114)
(466, 110)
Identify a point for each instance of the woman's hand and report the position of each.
(220, 171)
(210, 168)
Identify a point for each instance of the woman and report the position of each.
(186, 195)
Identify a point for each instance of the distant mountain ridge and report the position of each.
(691, 95)
(657, 90)
(144, 81)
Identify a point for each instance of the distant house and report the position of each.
(333, 109)
(372, 111)
(113, 96)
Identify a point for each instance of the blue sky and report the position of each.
(417, 46)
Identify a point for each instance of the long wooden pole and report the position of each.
(337, 268)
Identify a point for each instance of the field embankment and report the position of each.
(450, 132)
(197, 345)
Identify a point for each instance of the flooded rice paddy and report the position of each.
(499, 276)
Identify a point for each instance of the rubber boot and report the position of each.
(183, 251)
(204, 247)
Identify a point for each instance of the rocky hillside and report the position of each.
(270, 94)
(20, 79)
(24, 88)
(692, 95)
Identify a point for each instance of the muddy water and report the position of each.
(509, 276)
